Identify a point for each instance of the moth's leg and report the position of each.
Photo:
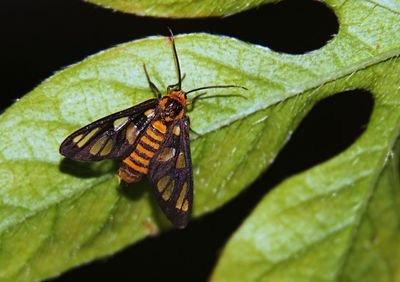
(153, 87)
(187, 126)
(194, 99)
(195, 132)
(200, 96)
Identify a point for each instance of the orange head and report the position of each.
(173, 105)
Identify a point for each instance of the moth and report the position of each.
(151, 138)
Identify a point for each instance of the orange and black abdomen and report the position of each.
(137, 163)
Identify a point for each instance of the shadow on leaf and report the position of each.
(136, 191)
(88, 169)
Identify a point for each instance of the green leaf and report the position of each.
(181, 8)
(338, 221)
(56, 214)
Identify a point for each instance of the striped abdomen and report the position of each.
(137, 163)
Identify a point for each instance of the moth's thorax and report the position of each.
(173, 106)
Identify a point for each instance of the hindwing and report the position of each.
(170, 172)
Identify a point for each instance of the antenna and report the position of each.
(176, 60)
(215, 86)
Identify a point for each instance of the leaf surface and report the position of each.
(57, 214)
(338, 221)
(180, 8)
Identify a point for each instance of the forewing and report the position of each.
(110, 137)
(170, 173)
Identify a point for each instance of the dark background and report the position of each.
(42, 36)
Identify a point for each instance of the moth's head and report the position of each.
(173, 105)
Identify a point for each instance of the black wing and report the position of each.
(110, 137)
(170, 172)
